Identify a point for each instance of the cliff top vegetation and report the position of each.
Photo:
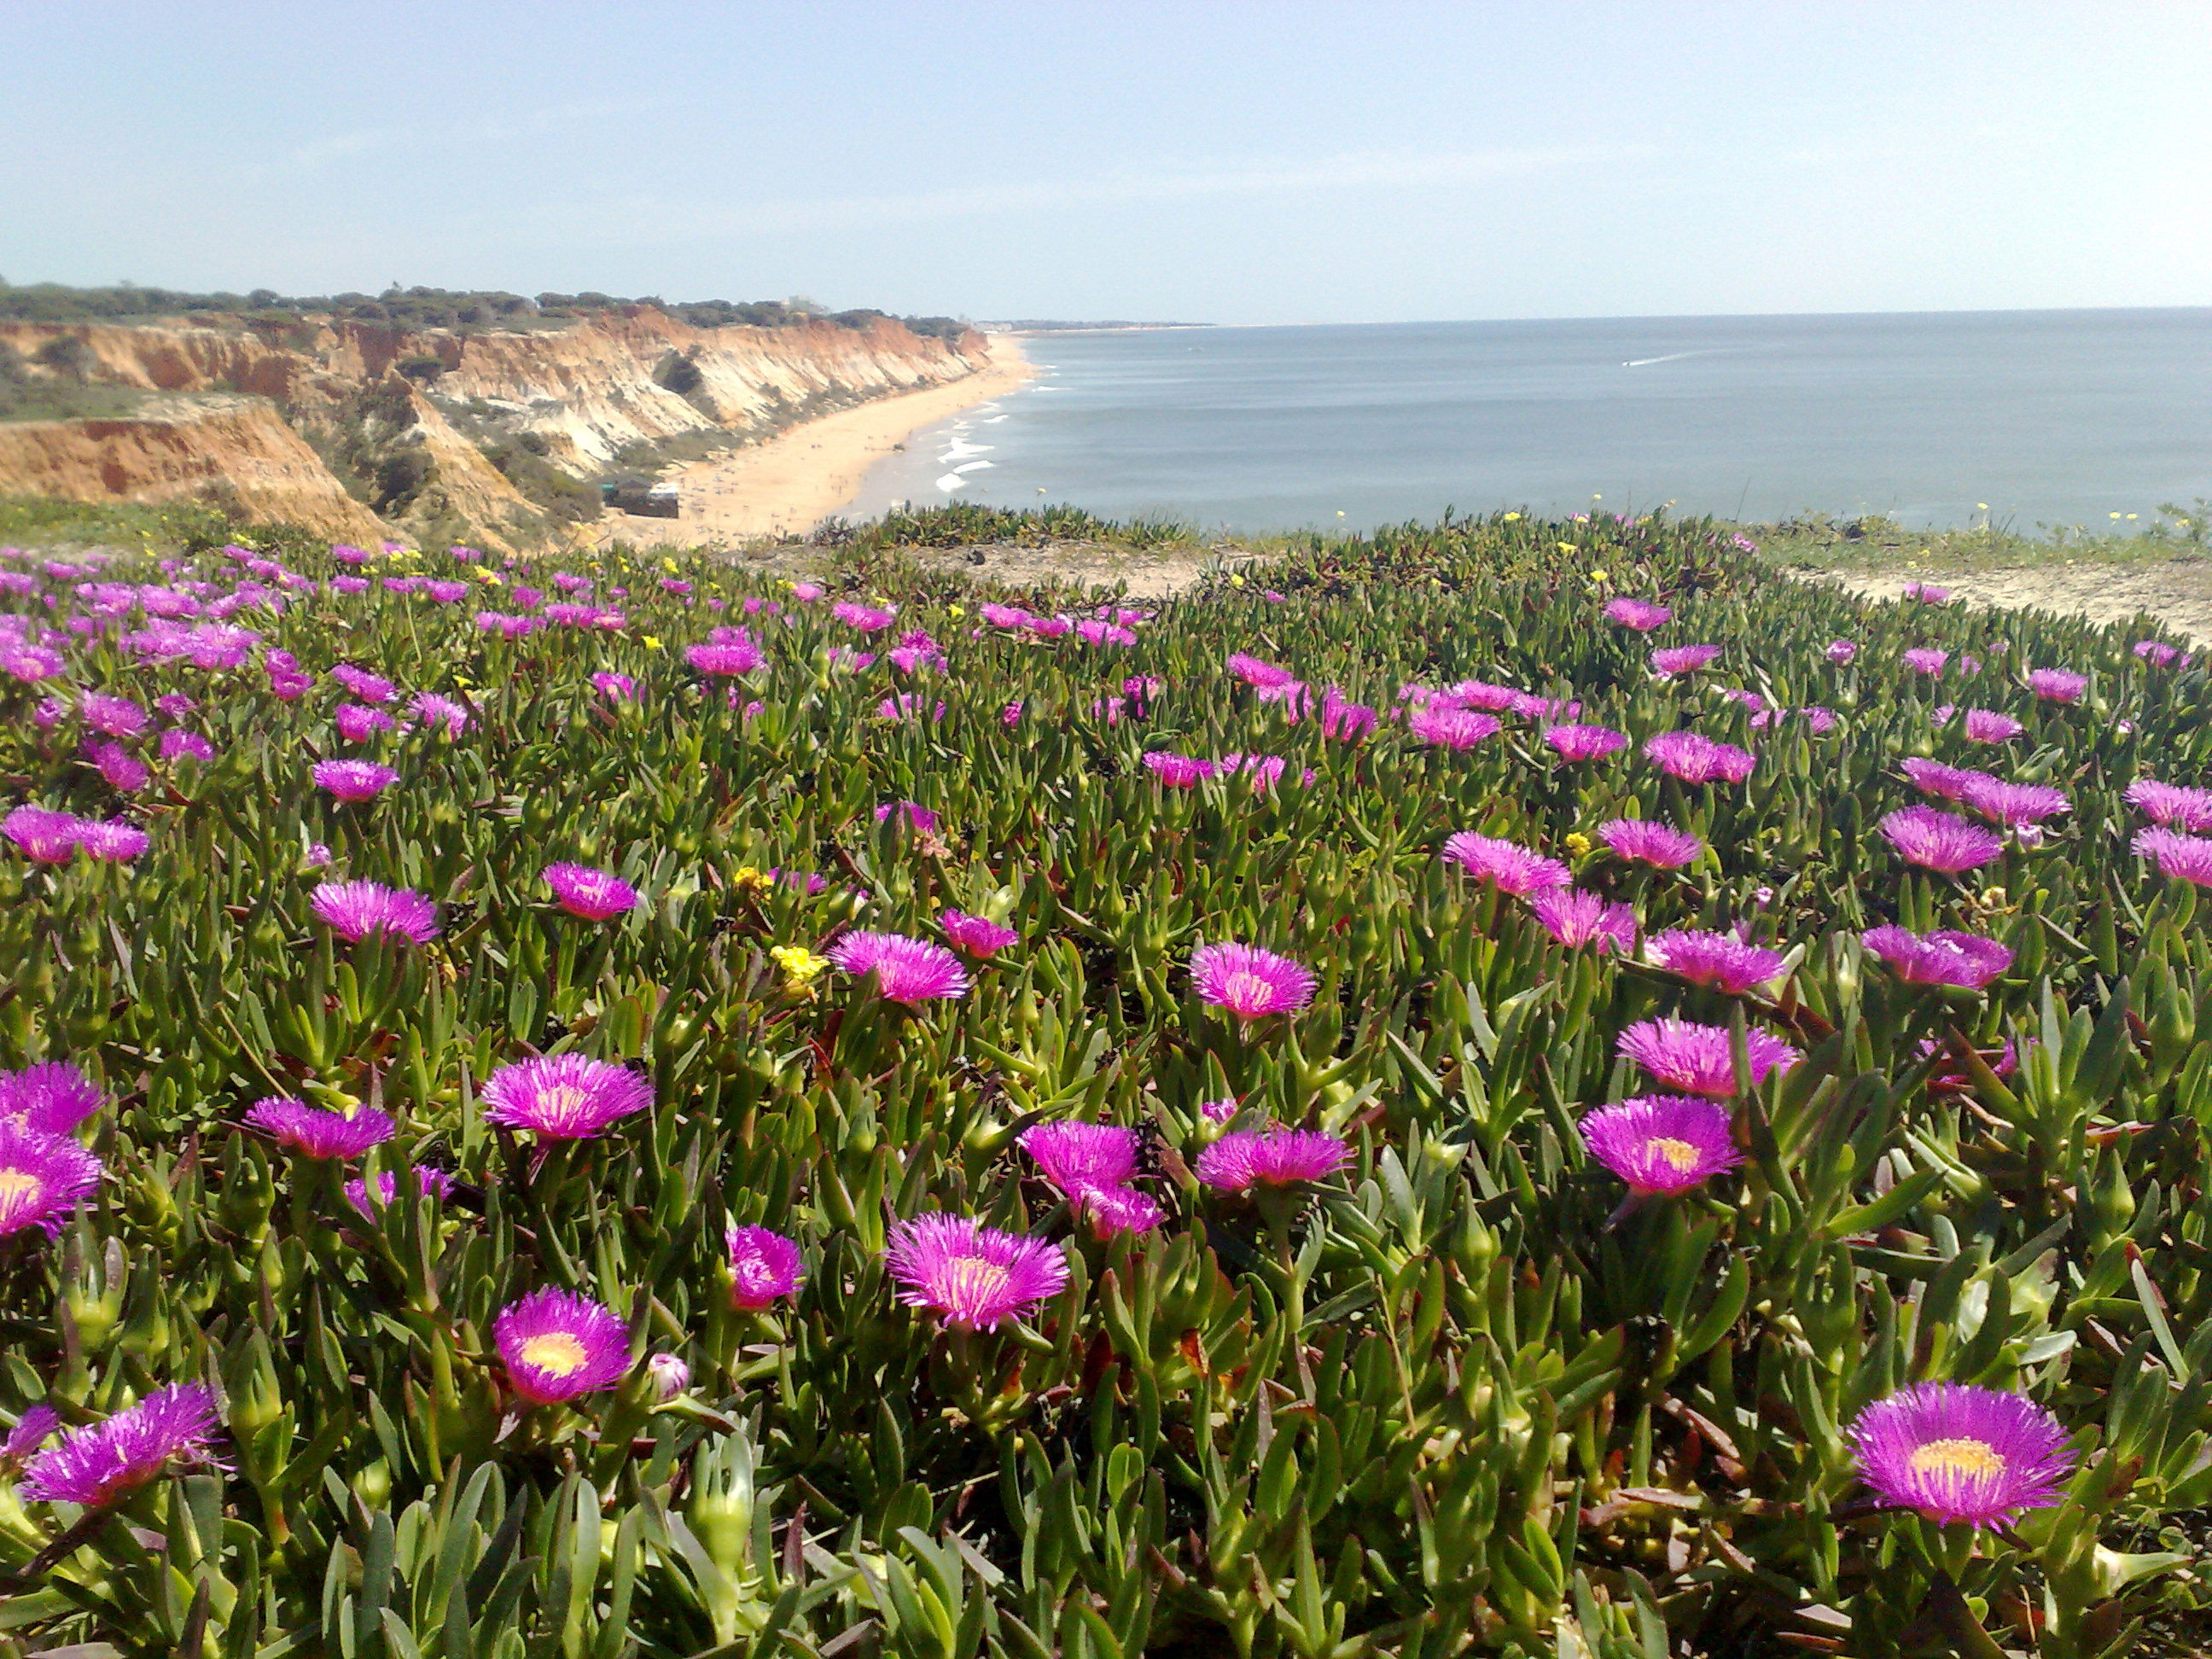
(474, 309)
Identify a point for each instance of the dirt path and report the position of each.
(2176, 591)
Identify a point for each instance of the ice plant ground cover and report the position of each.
(550, 1273)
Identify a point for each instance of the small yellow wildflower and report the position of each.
(749, 879)
(957, 611)
(1601, 575)
(1578, 843)
(1236, 581)
(801, 967)
(1511, 517)
(651, 643)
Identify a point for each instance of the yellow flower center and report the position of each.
(17, 1185)
(1960, 1457)
(555, 1351)
(971, 1284)
(561, 1101)
(1680, 1153)
(1245, 992)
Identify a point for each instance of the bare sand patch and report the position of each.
(2177, 591)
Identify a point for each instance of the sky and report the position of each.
(1278, 162)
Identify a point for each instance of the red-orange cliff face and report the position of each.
(403, 428)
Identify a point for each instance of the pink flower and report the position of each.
(354, 780)
(1695, 758)
(432, 709)
(1926, 593)
(317, 1133)
(357, 721)
(1342, 721)
(42, 833)
(114, 717)
(185, 745)
(1720, 960)
(1576, 919)
(1935, 778)
(2174, 805)
(1698, 1059)
(727, 652)
(112, 839)
(974, 1277)
(369, 688)
(1938, 958)
(1678, 659)
(1511, 867)
(1959, 1453)
(615, 688)
(557, 1345)
(563, 1097)
(764, 1267)
(1178, 771)
(124, 770)
(98, 1466)
(1259, 675)
(1649, 842)
(1661, 1144)
(1270, 1158)
(1250, 982)
(867, 619)
(593, 895)
(2158, 654)
(908, 971)
(1840, 652)
(1936, 841)
(2056, 686)
(977, 936)
(1641, 615)
(1927, 660)
(1581, 743)
(1447, 727)
(2011, 804)
(356, 910)
(43, 1178)
(2185, 858)
(53, 1098)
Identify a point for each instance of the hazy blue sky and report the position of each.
(1232, 162)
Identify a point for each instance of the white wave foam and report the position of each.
(950, 482)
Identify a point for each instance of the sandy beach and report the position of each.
(785, 486)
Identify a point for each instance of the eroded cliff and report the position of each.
(492, 438)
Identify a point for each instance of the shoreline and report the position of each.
(787, 485)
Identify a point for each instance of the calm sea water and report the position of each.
(2048, 417)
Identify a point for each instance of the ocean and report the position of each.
(2028, 418)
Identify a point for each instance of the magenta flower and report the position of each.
(1648, 842)
(124, 770)
(1179, 771)
(1958, 1452)
(111, 716)
(1250, 982)
(1938, 958)
(42, 1178)
(2056, 686)
(369, 688)
(1936, 841)
(42, 833)
(908, 971)
(868, 619)
(1511, 867)
(2158, 654)
(434, 710)
(1261, 676)
(354, 780)
(1641, 615)
(2011, 804)
(726, 653)
(357, 721)
(1120, 1210)
(1935, 778)
(1926, 593)
(430, 1182)
(2185, 858)
(1444, 726)
(33, 1430)
(1720, 960)
(1342, 721)
(563, 1097)
(1840, 652)
(2175, 806)
(100, 1465)
(1577, 919)
(1661, 1144)
(185, 745)
(111, 839)
(1270, 1158)
(1581, 743)
(921, 817)
(556, 1345)
(615, 688)
(764, 1267)
(318, 1133)
(1987, 725)
(1005, 615)
(1677, 660)
(356, 910)
(973, 1277)
(1077, 1158)
(977, 936)
(1698, 1059)
(51, 1099)
(1695, 758)
(594, 894)
(1927, 660)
